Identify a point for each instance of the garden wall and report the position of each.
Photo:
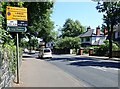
(7, 67)
(98, 52)
(61, 51)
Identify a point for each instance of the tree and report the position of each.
(72, 28)
(5, 37)
(103, 27)
(4, 21)
(34, 43)
(39, 24)
(111, 18)
(68, 42)
(69, 38)
(24, 43)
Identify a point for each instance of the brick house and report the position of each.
(93, 37)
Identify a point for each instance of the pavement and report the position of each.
(39, 73)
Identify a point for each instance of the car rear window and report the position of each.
(46, 50)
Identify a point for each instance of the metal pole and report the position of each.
(17, 51)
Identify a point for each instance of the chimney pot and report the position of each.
(88, 28)
(98, 30)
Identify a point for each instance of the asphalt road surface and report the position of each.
(91, 72)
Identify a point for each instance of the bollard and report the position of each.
(90, 51)
(81, 51)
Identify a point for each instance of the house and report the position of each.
(116, 33)
(50, 45)
(93, 37)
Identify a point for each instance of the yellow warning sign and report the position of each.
(16, 13)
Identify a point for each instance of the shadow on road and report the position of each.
(97, 63)
(70, 59)
(88, 62)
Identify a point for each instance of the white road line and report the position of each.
(104, 69)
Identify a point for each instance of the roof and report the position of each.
(87, 34)
(90, 33)
(117, 28)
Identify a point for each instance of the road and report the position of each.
(91, 72)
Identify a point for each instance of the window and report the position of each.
(51, 44)
(118, 34)
(87, 39)
(81, 39)
(48, 44)
(46, 50)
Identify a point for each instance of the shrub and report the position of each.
(103, 49)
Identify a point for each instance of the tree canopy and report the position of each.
(69, 35)
(39, 19)
(72, 28)
(40, 24)
(68, 42)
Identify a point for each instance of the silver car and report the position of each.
(45, 53)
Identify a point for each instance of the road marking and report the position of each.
(100, 68)
(103, 68)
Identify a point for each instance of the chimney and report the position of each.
(88, 28)
(105, 31)
(98, 30)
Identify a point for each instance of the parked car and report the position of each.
(26, 50)
(32, 52)
(45, 53)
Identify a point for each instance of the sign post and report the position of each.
(17, 50)
(16, 22)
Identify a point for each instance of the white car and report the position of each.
(45, 53)
(26, 50)
(32, 52)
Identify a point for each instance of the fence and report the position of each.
(61, 51)
(99, 52)
(7, 67)
(116, 54)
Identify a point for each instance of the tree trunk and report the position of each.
(110, 41)
(109, 32)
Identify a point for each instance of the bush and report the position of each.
(105, 46)
(115, 47)
(86, 51)
(74, 51)
(103, 49)
(68, 42)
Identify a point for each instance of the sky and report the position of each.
(85, 12)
